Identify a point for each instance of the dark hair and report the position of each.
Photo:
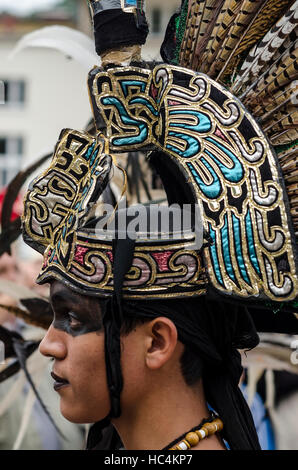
(212, 332)
(191, 364)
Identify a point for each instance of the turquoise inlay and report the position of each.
(52, 255)
(127, 120)
(85, 193)
(214, 256)
(238, 248)
(226, 249)
(94, 156)
(212, 190)
(89, 152)
(251, 242)
(127, 83)
(146, 103)
(193, 145)
(64, 231)
(204, 122)
(235, 174)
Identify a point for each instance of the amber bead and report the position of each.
(210, 427)
(219, 424)
(192, 438)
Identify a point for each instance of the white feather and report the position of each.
(14, 392)
(266, 49)
(253, 374)
(270, 389)
(30, 399)
(36, 365)
(70, 42)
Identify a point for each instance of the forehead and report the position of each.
(59, 292)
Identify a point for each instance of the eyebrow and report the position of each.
(63, 296)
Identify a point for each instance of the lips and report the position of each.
(59, 381)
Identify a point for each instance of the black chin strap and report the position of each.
(123, 251)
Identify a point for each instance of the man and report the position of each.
(163, 391)
(36, 431)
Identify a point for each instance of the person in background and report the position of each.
(39, 432)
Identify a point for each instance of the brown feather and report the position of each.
(204, 16)
(212, 10)
(220, 31)
(283, 122)
(191, 32)
(265, 108)
(272, 45)
(278, 76)
(208, 18)
(285, 137)
(264, 18)
(248, 10)
(39, 320)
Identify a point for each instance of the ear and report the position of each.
(162, 340)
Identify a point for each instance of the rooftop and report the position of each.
(12, 27)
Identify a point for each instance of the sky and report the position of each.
(23, 7)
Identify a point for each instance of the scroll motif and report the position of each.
(57, 200)
(227, 160)
(167, 269)
(56, 206)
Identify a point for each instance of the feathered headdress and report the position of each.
(218, 118)
(210, 147)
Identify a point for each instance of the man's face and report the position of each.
(76, 342)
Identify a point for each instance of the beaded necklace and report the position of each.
(196, 434)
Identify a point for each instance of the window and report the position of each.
(14, 92)
(11, 150)
(156, 20)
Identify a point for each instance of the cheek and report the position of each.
(87, 398)
(133, 369)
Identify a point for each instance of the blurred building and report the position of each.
(44, 91)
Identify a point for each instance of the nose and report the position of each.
(53, 344)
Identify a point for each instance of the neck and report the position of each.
(164, 416)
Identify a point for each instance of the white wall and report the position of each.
(56, 97)
(154, 41)
(56, 90)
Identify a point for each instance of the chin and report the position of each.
(80, 415)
